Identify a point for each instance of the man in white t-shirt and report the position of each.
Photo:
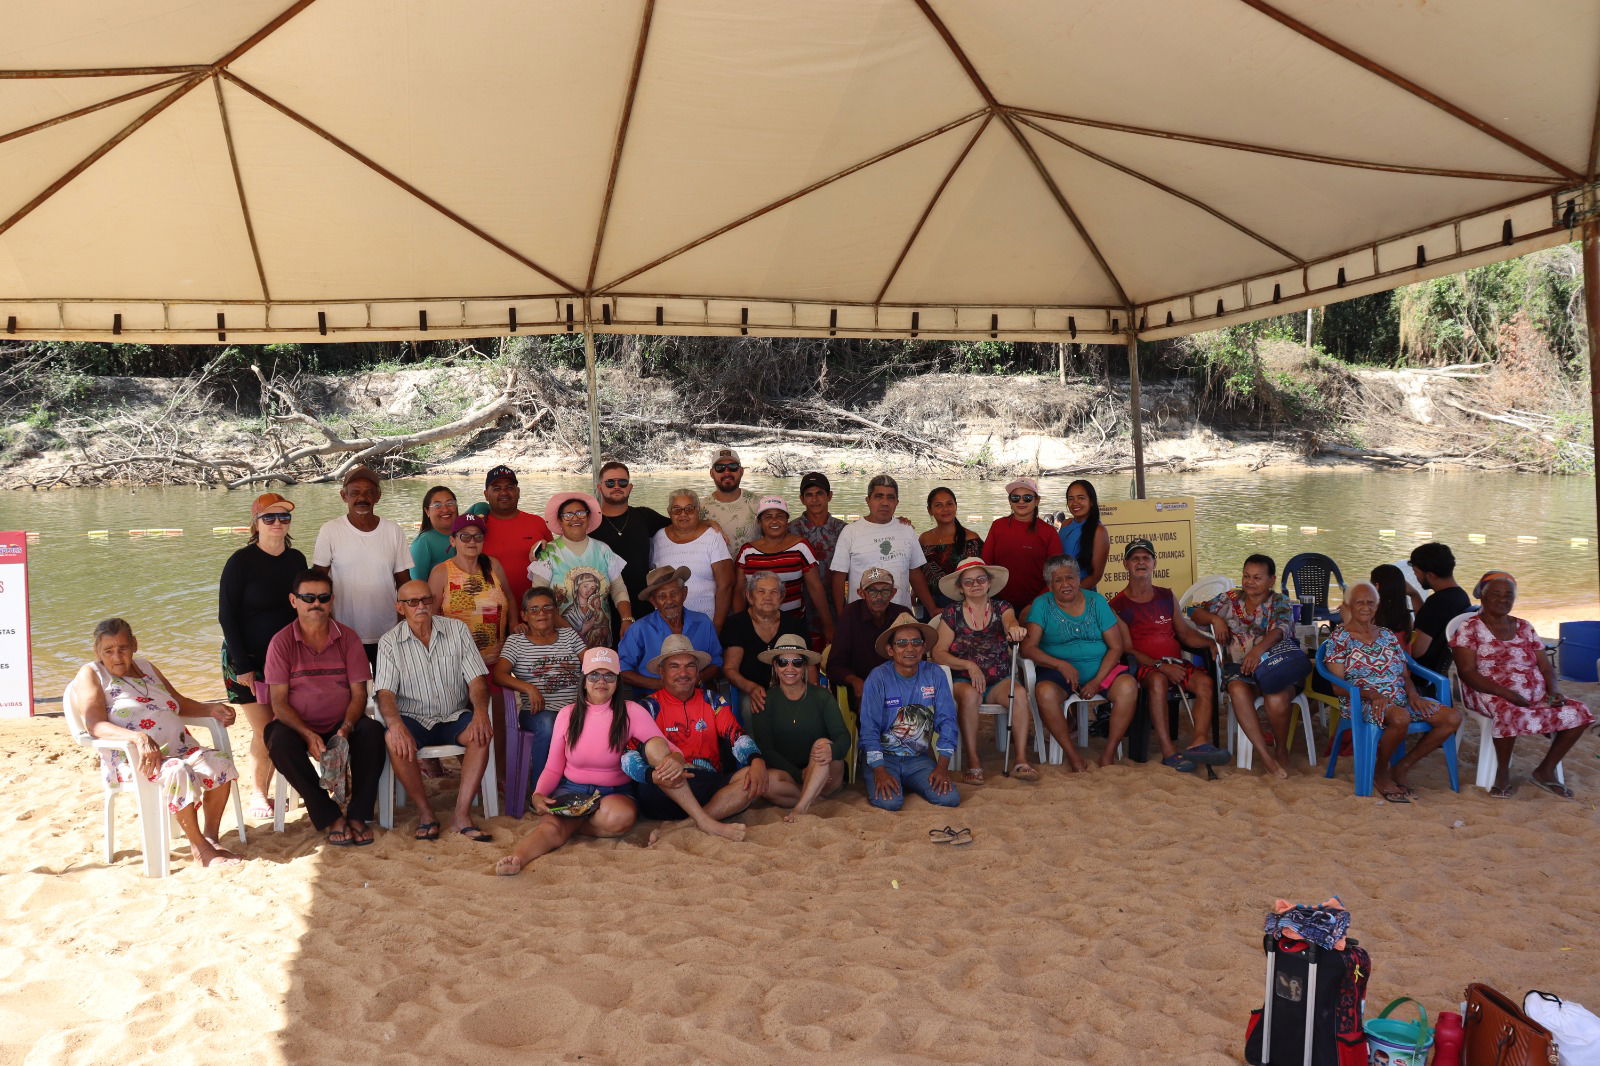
(366, 557)
(733, 509)
(878, 540)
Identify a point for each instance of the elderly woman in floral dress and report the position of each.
(973, 637)
(1370, 658)
(1506, 676)
(122, 697)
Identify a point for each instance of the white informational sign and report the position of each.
(16, 648)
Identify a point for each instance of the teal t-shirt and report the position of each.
(429, 550)
(1079, 639)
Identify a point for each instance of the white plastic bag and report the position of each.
(1576, 1029)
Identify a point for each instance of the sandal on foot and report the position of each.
(473, 833)
(1024, 772)
(973, 776)
(260, 809)
(1179, 763)
(1395, 795)
(341, 838)
(1503, 792)
(426, 831)
(1208, 755)
(1555, 788)
(361, 836)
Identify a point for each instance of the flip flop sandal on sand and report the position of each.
(1555, 788)
(1024, 772)
(1503, 793)
(1395, 795)
(476, 835)
(362, 837)
(260, 809)
(973, 776)
(341, 838)
(949, 835)
(1180, 764)
(1208, 755)
(427, 831)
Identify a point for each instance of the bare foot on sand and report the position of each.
(509, 866)
(213, 856)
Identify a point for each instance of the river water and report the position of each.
(166, 585)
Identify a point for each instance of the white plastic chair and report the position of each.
(1488, 764)
(282, 796)
(1045, 746)
(1245, 751)
(488, 789)
(998, 711)
(154, 820)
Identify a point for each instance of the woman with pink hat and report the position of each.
(572, 516)
(252, 605)
(1021, 542)
(583, 788)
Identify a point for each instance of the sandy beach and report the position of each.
(1111, 918)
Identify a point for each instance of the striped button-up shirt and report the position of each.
(429, 681)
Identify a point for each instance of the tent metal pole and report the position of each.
(1591, 314)
(1133, 411)
(594, 396)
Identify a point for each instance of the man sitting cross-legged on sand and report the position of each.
(903, 704)
(699, 724)
(1150, 612)
(316, 673)
(432, 690)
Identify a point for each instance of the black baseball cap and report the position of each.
(1138, 544)
(815, 480)
(495, 474)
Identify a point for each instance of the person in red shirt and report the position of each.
(726, 767)
(512, 532)
(1150, 613)
(1021, 542)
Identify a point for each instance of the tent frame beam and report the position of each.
(933, 202)
(238, 185)
(622, 137)
(1401, 81)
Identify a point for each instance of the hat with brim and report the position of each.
(269, 502)
(950, 584)
(677, 644)
(790, 644)
(904, 621)
(552, 510)
(660, 578)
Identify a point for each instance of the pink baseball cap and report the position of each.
(601, 659)
(771, 503)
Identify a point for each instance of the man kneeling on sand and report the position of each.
(700, 726)
(908, 717)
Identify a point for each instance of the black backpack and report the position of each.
(1333, 984)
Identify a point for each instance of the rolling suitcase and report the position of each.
(1311, 1011)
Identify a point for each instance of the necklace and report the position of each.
(138, 689)
(627, 516)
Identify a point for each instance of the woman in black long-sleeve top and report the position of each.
(252, 605)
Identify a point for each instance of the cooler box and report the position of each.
(1580, 647)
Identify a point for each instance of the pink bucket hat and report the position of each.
(552, 510)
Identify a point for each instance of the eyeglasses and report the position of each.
(615, 482)
(726, 468)
(980, 577)
(788, 660)
(469, 538)
(441, 503)
(417, 601)
(1023, 497)
(877, 590)
(580, 515)
(540, 608)
(603, 677)
(682, 510)
(914, 642)
(282, 517)
(313, 597)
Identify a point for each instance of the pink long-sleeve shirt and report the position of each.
(591, 761)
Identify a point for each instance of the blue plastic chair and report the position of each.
(1311, 573)
(1366, 734)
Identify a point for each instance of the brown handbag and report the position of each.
(1495, 1032)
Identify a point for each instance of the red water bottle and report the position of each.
(1447, 1040)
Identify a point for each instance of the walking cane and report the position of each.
(1011, 714)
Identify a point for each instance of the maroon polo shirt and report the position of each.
(319, 681)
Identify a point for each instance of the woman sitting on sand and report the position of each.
(1507, 676)
(973, 637)
(1372, 659)
(800, 731)
(583, 788)
(125, 698)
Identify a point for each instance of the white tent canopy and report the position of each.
(1023, 169)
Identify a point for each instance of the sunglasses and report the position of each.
(281, 517)
(914, 642)
(313, 597)
(1024, 497)
(540, 608)
(615, 482)
(788, 660)
(469, 538)
(580, 515)
(726, 468)
(683, 510)
(603, 677)
(417, 601)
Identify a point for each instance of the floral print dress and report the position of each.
(987, 646)
(143, 704)
(1514, 663)
(1381, 665)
